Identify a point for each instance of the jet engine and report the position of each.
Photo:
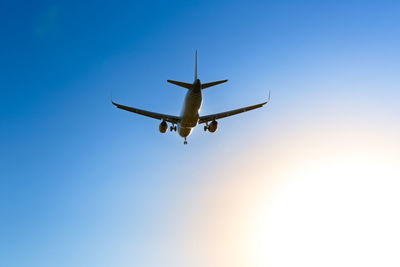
(213, 126)
(163, 127)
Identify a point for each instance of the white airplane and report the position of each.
(190, 117)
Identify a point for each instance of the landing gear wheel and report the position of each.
(205, 128)
(172, 128)
(185, 142)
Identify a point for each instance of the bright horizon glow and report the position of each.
(333, 212)
(334, 203)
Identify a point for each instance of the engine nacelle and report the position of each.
(213, 126)
(163, 127)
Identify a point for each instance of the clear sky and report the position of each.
(312, 179)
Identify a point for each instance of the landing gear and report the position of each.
(172, 128)
(185, 142)
(206, 127)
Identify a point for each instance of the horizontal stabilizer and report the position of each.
(206, 85)
(181, 84)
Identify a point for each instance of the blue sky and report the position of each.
(85, 184)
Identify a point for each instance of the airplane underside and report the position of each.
(190, 118)
(184, 131)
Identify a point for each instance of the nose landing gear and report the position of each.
(185, 142)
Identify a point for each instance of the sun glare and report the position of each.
(340, 211)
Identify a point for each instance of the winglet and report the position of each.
(112, 102)
(269, 98)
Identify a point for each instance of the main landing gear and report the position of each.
(185, 142)
(206, 127)
(172, 128)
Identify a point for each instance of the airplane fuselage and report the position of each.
(191, 109)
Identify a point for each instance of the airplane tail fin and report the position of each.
(187, 85)
(195, 66)
(206, 85)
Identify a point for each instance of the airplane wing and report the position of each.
(159, 116)
(221, 115)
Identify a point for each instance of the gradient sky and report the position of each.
(312, 179)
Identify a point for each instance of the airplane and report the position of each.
(190, 117)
